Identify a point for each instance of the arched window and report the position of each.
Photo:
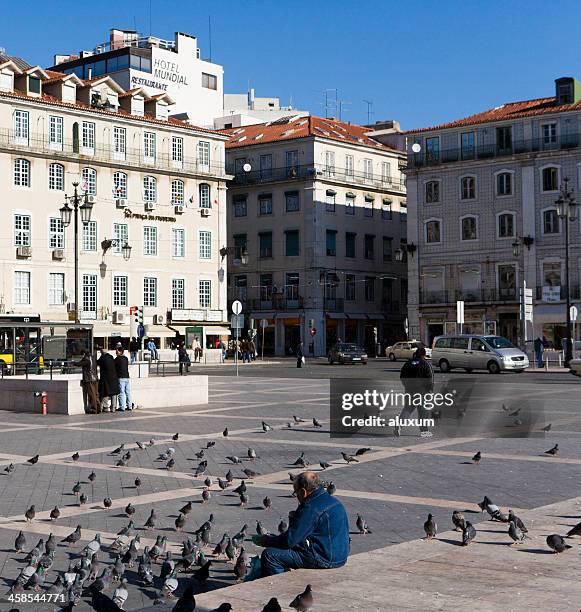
(205, 196)
(467, 188)
(433, 231)
(120, 185)
(177, 192)
(56, 177)
(90, 180)
(469, 228)
(21, 172)
(149, 189)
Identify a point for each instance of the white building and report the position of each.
(157, 66)
(158, 184)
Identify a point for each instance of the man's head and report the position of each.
(304, 484)
(119, 350)
(421, 352)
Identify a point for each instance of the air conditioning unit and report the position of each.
(179, 209)
(149, 205)
(205, 212)
(91, 199)
(24, 251)
(121, 202)
(118, 317)
(158, 319)
(58, 254)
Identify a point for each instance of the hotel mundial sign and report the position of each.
(164, 73)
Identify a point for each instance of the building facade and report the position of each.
(483, 221)
(316, 213)
(157, 185)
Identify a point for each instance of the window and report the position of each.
(204, 190)
(507, 281)
(265, 204)
(403, 212)
(330, 163)
(350, 204)
(90, 236)
(368, 208)
(504, 140)
(21, 173)
(504, 184)
(291, 287)
(387, 248)
(469, 231)
(205, 293)
(385, 172)
(22, 288)
(292, 163)
(433, 149)
(506, 225)
(55, 132)
(349, 165)
(149, 146)
(265, 244)
(350, 244)
(265, 167)
(265, 287)
(178, 293)
(149, 240)
(369, 250)
(331, 242)
(204, 155)
(550, 179)
(56, 177)
(120, 291)
(467, 143)
(240, 206)
(120, 185)
(433, 231)
(56, 233)
(240, 244)
(149, 189)
(368, 169)
(291, 201)
(178, 242)
(22, 230)
(88, 136)
(330, 200)
(292, 246)
(150, 291)
(432, 192)
(89, 295)
(564, 91)
(386, 212)
(119, 142)
(369, 288)
(387, 291)
(177, 192)
(56, 289)
(549, 132)
(205, 244)
(241, 286)
(550, 222)
(177, 151)
(120, 235)
(552, 273)
(21, 127)
(209, 81)
(350, 287)
(90, 180)
(467, 188)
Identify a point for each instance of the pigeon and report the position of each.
(272, 606)
(33, 556)
(129, 509)
(430, 527)
(107, 502)
(92, 477)
(267, 503)
(291, 477)
(200, 454)
(317, 423)
(298, 420)
(303, 601)
(225, 432)
(140, 445)
(180, 521)
(250, 473)
(220, 548)
(266, 427)
(229, 476)
(121, 463)
(557, 544)
(83, 499)
(282, 526)
(206, 495)
(202, 467)
(57, 587)
(241, 488)
(234, 459)
(553, 452)
(121, 593)
(77, 488)
(93, 547)
(241, 535)
(468, 533)
(572, 532)
(33, 460)
(186, 509)
(349, 458)
(30, 514)
(458, 520)
(187, 601)
(75, 456)
(493, 510)
(202, 574)
(167, 566)
(9, 468)
(50, 545)
(331, 488)
(137, 483)
(519, 523)
(240, 568)
(170, 464)
(300, 462)
(118, 450)
(55, 513)
(20, 542)
(547, 428)
(477, 457)
(210, 444)
(515, 533)
(362, 525)
(175, 436)
(362, 451)
(223, 484)
(101, 583)
(324, 465)
(260, 530)
(36, 581)
(170, 584)
(73, 537)
(252, 454)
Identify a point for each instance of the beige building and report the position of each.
(157, 184)
(316, 213)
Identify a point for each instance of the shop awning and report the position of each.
(336, 315)
(217, 330)
(357, 315)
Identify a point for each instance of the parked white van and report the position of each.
(470, 352)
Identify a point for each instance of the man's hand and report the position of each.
(259, 540)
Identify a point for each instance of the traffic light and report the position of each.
(138, 315)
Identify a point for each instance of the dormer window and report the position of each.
(33, 84)
(565, 93)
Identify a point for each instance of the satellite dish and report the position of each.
(416, 147)
(247, 167)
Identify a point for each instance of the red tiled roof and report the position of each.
(506, 112)
(301, 127)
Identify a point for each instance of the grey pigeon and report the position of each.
(515, 533)
(553, 452)
(468, 533)
(317, 423)
(362, 451)
(9, 468)
(477, 457)
(557, 544)
(20, 542)
(430, 527)
(362, 525)
(266, 427)
(519, 523)
(575, 531)
(303, 601)
(324, 465)
(272, 606)
(458, 520)
(349, 458)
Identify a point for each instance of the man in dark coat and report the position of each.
(89, 382)
(108, 380)
(300, 354)
(183, 358)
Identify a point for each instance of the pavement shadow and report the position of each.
(537, 551)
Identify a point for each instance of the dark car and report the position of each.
(347, 353)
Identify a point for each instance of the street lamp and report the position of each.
(566, 211)
(107, 243)
(236, 250)
(84, 203)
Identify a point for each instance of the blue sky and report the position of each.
(419, 62)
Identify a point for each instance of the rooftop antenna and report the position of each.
(329, 102)
(150, 17)
(210, 34)
(341, 104)
(369, 111)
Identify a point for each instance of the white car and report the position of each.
(405, 350)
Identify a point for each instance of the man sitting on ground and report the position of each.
(318, 533)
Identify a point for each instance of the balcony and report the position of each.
(574, 293)
(277, 302)
(482, 296)
(313, 172)
(533, 145)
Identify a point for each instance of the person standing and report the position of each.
(89, 382)
(183, 358)
(300, 355)
(108, 381)
(122, 369)
(252, 349)
(222, 348)
(196, 348)
(539, 347)
(133, 349)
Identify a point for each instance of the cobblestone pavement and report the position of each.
(394, 486)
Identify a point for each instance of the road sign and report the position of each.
(313, 331)
(460, 312)
(263, 323)
(237, 321)
(573, 312)
(237, 307)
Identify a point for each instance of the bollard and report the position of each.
(43, 401)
